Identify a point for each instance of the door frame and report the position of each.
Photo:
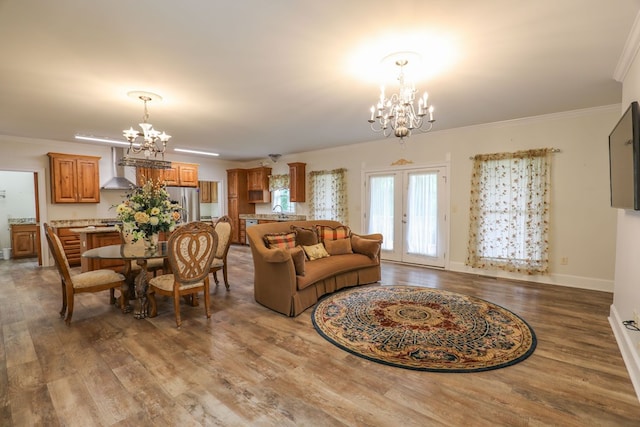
(446, 167)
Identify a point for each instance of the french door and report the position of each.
(409, 208)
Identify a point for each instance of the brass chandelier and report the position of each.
(397, 114)
(153, 141)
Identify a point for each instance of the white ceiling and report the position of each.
(252, 77)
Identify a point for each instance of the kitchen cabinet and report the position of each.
(25, 240)
(97, 239)
(71, 244)
(179, 175)
(208, 191)
(297, 180)
(238, 202)
(258, 185)
(74, 178)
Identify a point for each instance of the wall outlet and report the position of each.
(564, 260)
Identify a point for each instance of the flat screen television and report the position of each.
(624, 160)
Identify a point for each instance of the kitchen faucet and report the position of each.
(281, 214)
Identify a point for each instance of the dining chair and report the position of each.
(190, 252)
(90, 281)
(223, 230)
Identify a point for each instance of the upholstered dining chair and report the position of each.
(223, 230)
(191, 250)
(90, 281)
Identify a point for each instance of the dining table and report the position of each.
(140, 254)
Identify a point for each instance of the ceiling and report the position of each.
(252, 77)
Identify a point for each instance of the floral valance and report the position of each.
(278, 182)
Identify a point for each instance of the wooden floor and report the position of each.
(249, 366)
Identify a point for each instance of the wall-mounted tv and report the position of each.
(624, 160)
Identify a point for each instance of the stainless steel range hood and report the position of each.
(119, 181)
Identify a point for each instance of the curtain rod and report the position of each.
(553, 150)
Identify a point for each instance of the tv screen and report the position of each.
(624, 160)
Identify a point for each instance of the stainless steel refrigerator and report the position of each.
(189, 199)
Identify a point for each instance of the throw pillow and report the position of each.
(326, 232)
(368, 247)
(338, 247)
(315, 251)
(280, 240)
(305, 236)
(298, 257)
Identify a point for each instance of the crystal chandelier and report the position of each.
(153, 141)
(398, 114)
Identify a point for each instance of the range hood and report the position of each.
(119, 181)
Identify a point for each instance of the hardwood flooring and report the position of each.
(249, 366)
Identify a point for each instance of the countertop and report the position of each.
(274, 217)
(81, 222)
(92, 229)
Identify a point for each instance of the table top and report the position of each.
(127, 252)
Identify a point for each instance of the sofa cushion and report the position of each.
(315, 252)
(368, 247)
(326, 232)
(298, 256)
(327, 267)
(305, 236)
(280, 240)
(338, 247)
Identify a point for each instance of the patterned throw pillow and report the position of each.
(326, 232)
(280, 240)
(338, 247)
(315, 251)
(305, 236)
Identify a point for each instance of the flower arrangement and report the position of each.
(147, 211)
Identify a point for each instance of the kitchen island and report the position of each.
(95, 237)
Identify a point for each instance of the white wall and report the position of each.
(582, 223)
(626, 297)
(17, 201)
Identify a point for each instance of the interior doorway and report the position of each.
(410, 208)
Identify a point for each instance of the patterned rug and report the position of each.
(423, 329)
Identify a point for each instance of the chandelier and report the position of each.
(397, 113)
(153, 142)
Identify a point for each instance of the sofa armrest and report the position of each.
(273, 255)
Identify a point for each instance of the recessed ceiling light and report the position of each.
(183, 150)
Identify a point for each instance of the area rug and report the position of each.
(423, 329)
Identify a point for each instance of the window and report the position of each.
(280, 197)
(509, 211)
(328, 191)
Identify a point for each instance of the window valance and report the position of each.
(278, 182)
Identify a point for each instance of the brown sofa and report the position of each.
(278, 287)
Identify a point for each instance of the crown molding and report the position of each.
(629, 51)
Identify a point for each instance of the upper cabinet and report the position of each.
(74, 178)
(208, 191)
(258, 185)
(180, 175)
(297, 189)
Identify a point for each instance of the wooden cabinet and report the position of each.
(238, 202)
(70, 243)
(208, 191)
(74, 179)
(242, 235)
(179, 175)
(258, 185)
(97, 240)
(297, 180)
(25, 240)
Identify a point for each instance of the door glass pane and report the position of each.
(381, 208)
(422, 214)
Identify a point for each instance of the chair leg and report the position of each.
(70, 296)
(112, 296)
(215, 277)
(123, 300)
(207, 299)
(176, 308)
(153, 306)
(63, 310)
(224, 275)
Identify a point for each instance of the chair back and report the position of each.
(57, 251)
(191, 251)
(223, 230)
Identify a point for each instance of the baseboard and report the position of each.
(628, 345)
(551, 279)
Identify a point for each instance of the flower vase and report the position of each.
(151, 242)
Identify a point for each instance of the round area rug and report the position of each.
(423, 329)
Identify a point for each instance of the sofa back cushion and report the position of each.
(338, 246)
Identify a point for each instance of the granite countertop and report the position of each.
(274, 217)
(13, 221)
(92, 229)
(81, 222)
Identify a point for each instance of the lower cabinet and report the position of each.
(71, 244)
(96, 240)
(24, 240)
